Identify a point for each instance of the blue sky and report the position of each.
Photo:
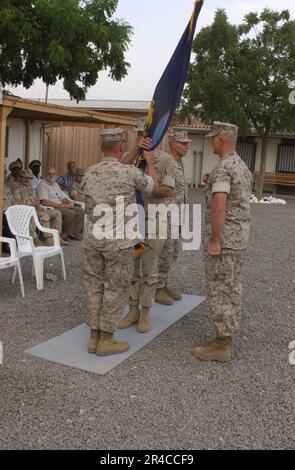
(158, 26)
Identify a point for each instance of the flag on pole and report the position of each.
(168, 93)
(169, 90)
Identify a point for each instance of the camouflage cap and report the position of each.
(223, 128)
(112, 135)
(16, 164)
(140, 127)
(26, 174)
(80, 172)
(180, 136)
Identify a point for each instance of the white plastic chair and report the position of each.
(18, 218)
(12, 260)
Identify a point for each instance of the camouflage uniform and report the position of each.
(223, 273)
(145, 279)
(12, 182)
(8, 198)
(109, 264)
(49, 218)
(172, 247)
(76, 190)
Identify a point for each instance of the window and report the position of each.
(286, 158)
(247, 152)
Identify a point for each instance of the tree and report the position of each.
(242, 74)
(70, 40)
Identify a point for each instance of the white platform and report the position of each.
(70, 348)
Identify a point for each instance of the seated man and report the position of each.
(67, 180)
(51, 195)
(49, 218)
(76, 192)
(35, 167)
(13, 179)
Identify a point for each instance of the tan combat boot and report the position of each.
(131, 317)
(173, 294)
(161, 297)
(48, 241)
(94, 336)
(219, 349)
(144, 323)
(107, 345)
(63, 242)
(209, 341)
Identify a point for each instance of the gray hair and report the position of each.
(110, 145)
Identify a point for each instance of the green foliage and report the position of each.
(69, 39)
(242, 73)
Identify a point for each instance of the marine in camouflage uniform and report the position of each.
(223, 268)
(13, 179)
(179, 142)
(8, 198)
(109, 263)
(76, 192)
(49, 218)
(145, 279)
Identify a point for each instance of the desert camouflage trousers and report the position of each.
(169, 254)
(224, 288)
(49, 218)
(107, 276)
(145, 278)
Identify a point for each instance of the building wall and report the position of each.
(80, 144)
(206, 162)
(83, 146)
(194, 160)
(16, 140)
(200, 159)
(63, 144)
(272, 152)
(36, 141)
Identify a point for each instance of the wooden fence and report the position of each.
(80, 144)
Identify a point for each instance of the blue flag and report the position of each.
(169, 90)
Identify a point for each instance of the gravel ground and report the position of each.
(162, 397)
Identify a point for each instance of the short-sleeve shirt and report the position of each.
(231, 176)
(66, 181)
(51, 192)
(35, 181)
(102, 184)
(179, 193)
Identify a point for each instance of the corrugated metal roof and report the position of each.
(193, 127)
